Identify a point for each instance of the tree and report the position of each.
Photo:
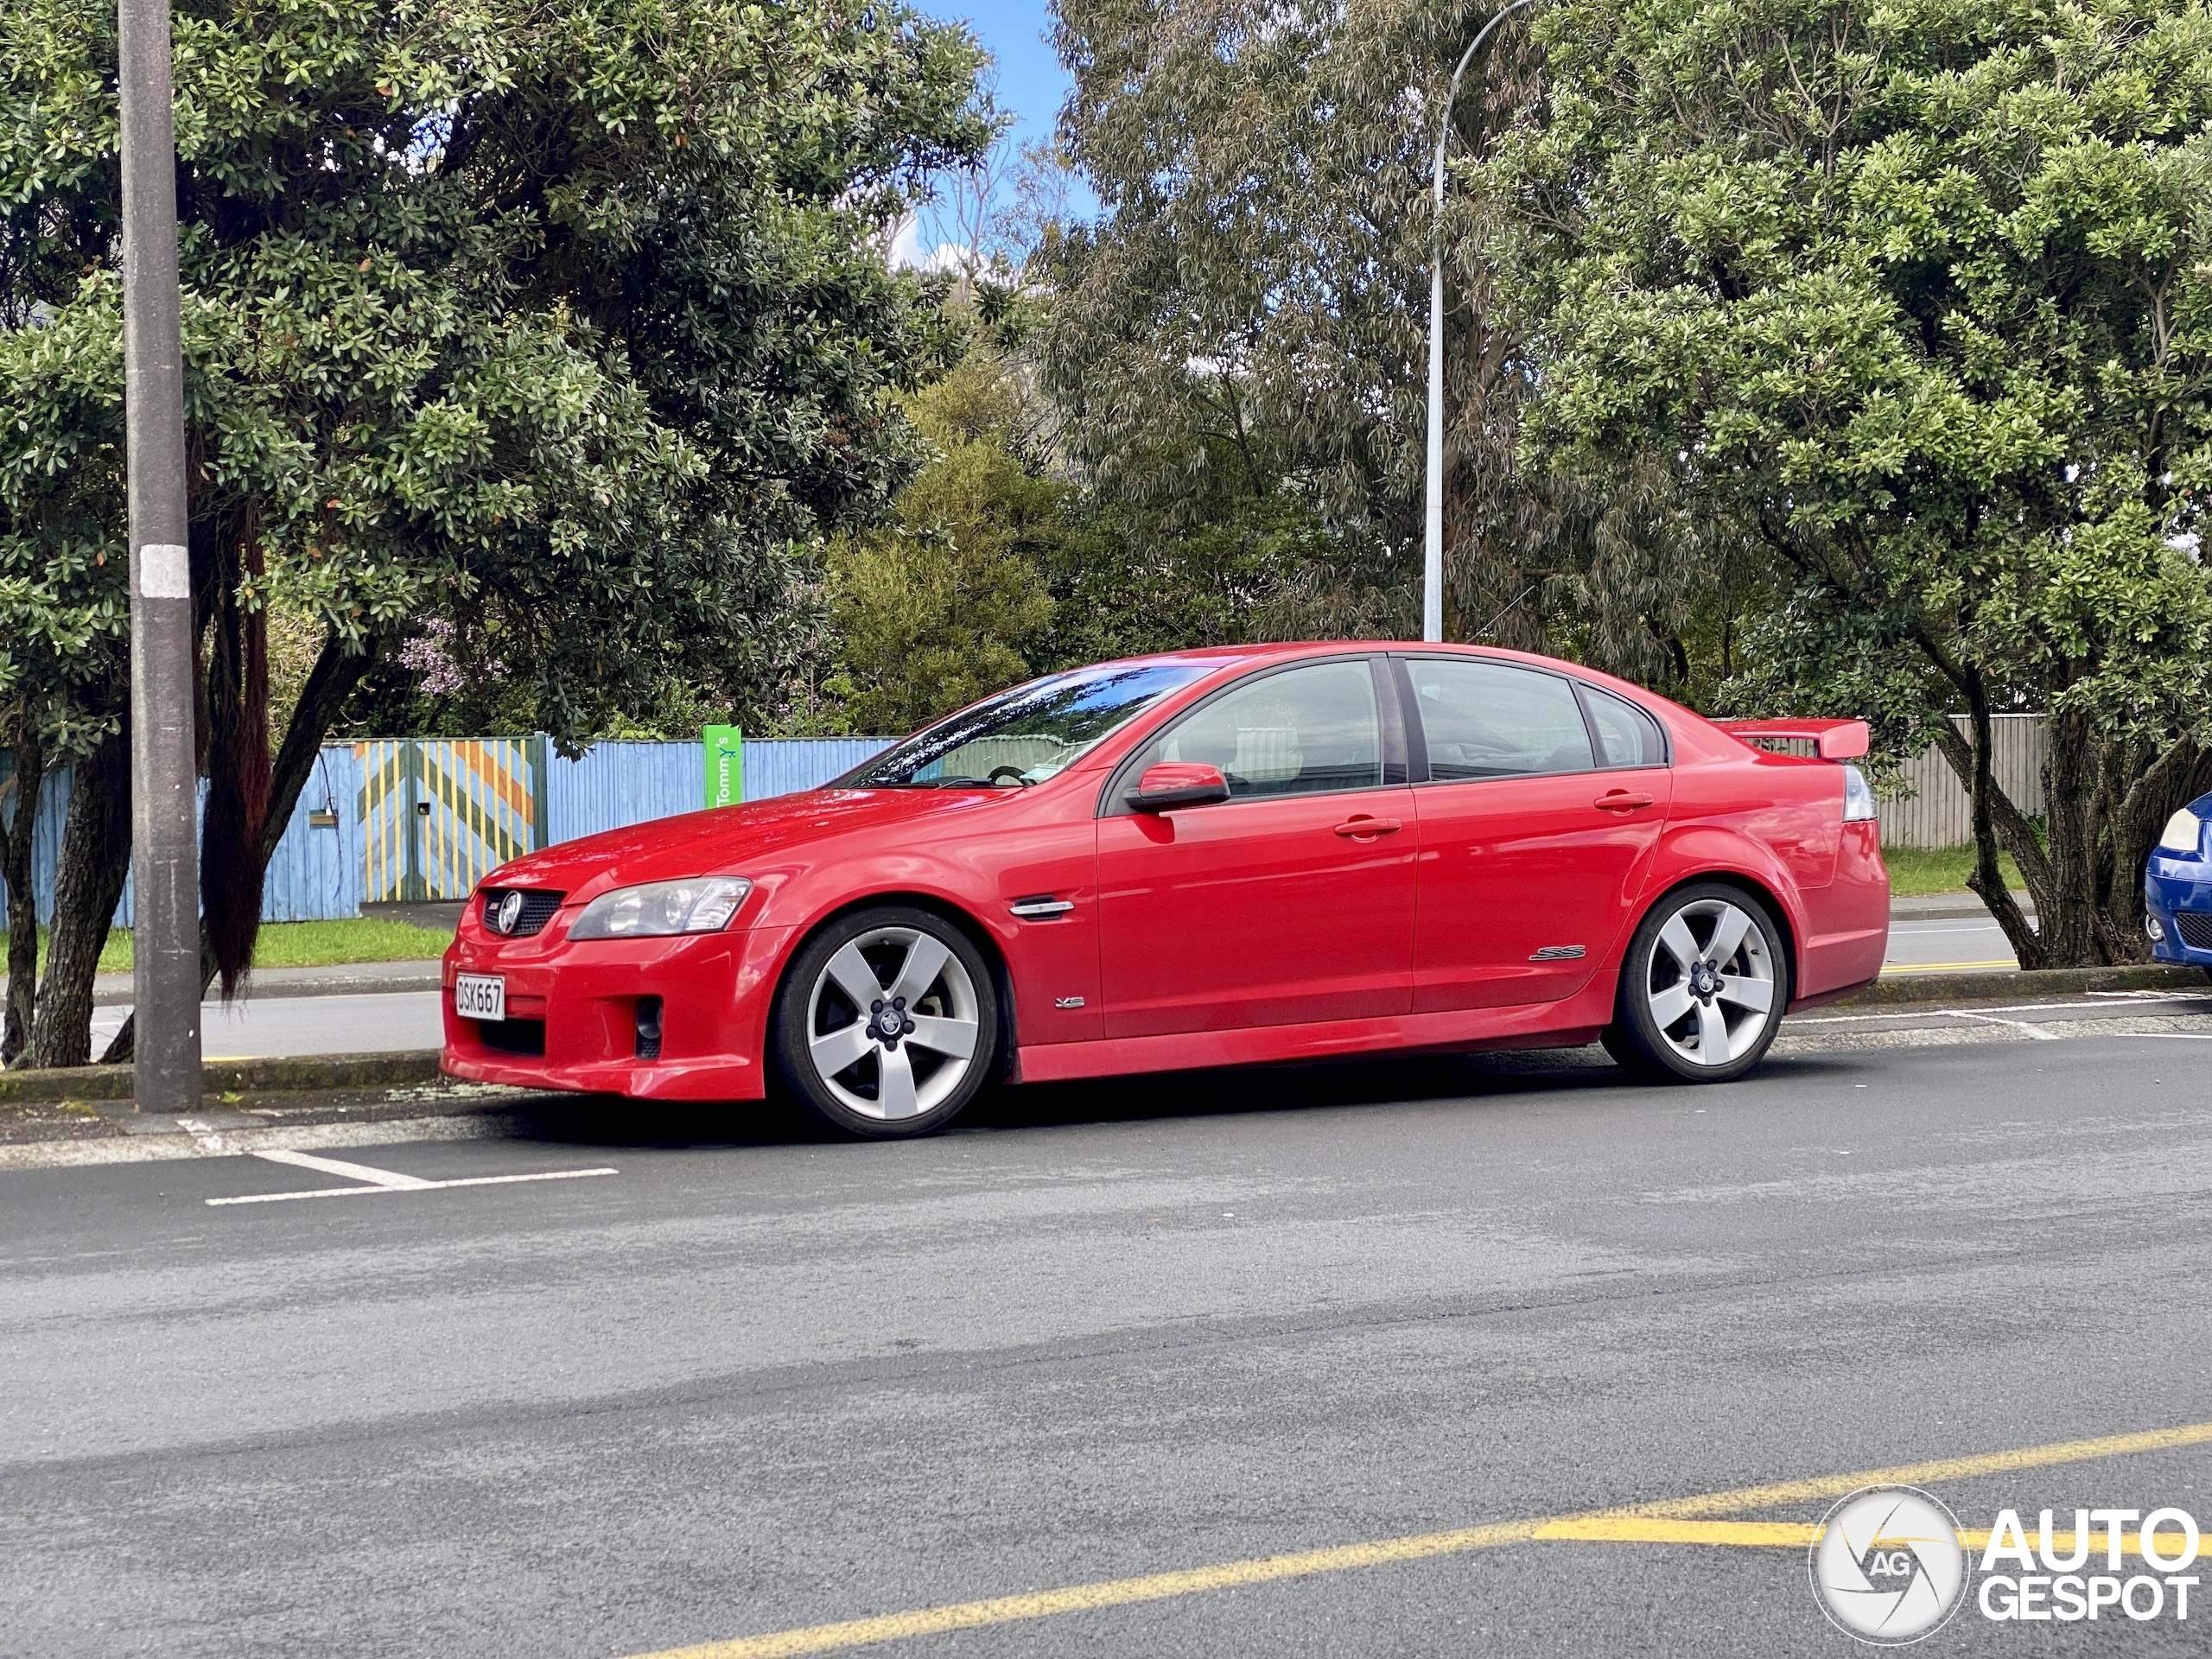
(1241, 336)
(939, 606)
(566, 324)
(1917, 301)
(64, 607)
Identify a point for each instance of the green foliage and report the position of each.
(1916, 300)
(938, 608)
(562, 322)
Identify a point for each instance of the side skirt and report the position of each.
(1570, 1023)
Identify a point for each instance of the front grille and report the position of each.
(512, 1036)
(649, 1027)
(537, 908)
(2196, 929)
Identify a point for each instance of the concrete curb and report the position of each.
(1907, 989)
(298, 1075)
(116, 990)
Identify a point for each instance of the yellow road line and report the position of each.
(1640, 1530)
(1633, 1523)
(1111, 1592)
(1891, 968)
(1924, 1474)
(1790, 1534)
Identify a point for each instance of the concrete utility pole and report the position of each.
(164, 859)
(1432, 588)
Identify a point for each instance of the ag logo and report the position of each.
(1888, 1566)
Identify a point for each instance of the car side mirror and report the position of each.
(1177, 783)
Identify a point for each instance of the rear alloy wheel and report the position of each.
(887, 1023)
(1703, 989)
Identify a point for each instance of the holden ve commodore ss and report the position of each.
(1202, 859)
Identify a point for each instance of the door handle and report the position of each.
(1619, 800)
(1366, 829)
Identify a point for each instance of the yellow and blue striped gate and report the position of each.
(437, 816)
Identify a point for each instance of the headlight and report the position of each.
(2183, 833)
(1858, 799)
(661, 908)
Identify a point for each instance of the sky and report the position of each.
(1031, 82)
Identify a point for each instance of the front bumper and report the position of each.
(2178, 895)
(580, 1002)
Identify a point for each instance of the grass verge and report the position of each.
(307, 944)
(1915, 871)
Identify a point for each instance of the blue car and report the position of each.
(2177, 889)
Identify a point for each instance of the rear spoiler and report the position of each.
(1832, 739)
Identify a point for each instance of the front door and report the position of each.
(1537, 823)
(1291, 901)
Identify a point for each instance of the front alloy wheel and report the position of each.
(887, 1023)
(1703, 989)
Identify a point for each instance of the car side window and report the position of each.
(1492, 720)
(1305, 731)
(1626, 735)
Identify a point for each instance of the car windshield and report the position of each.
(1025, 736)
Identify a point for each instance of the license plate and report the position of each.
(480, 996)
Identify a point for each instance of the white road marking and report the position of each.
(339, 1166)
(385, 1181)
(2036, 1032)
(2002, 1008)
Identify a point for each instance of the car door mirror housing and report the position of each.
(1177, 783)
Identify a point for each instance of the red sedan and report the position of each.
(1210, 858)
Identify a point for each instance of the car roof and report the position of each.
(1224, 656)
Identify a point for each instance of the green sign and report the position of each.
(725, 747)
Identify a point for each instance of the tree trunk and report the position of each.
(2074, 780)
(95, 858)
(1994, 817)
(329, 684)
(29, 756)
(2142, 804)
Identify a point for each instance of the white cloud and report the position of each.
(907, 253)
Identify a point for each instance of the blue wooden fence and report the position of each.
(322, 868)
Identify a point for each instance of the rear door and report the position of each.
(1542, 801)
(1291, 901)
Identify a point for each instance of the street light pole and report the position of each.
(1432, 589)
(164, 862)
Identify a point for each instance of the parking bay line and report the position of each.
(1894, 970)
(1779, 1534)
(386, 1180)
(1159, 1586)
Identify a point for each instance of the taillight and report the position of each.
(1858, 799)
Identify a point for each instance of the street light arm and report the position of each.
(1452, 98)
(1431, 600)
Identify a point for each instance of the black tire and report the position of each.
(818, 1017)
(1666, 1051)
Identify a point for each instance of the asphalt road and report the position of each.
(1968, 945)
(746, 1384)
(376, 1022)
